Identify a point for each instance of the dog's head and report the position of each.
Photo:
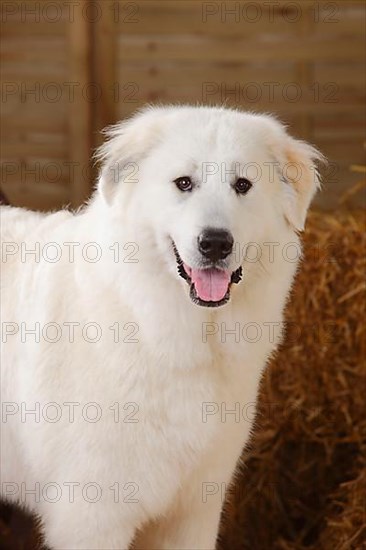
(203, 180)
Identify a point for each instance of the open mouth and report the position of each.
(209, 287)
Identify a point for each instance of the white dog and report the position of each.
(136, 331)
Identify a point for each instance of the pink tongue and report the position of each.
(211, 284)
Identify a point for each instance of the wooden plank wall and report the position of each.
(45, 120)
(301, 60)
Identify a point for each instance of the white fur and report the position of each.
(170, 457)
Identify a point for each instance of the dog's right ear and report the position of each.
(127, 143)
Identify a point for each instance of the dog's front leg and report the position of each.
(82, 526)
(192, 521)
(191, 527)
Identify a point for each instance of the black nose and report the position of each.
(215, 244)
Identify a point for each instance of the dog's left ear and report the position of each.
(300, 177)
(127, 143)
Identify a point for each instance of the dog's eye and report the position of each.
(242, 186)
(184, 183)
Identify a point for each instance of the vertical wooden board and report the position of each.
(104, 69)
(79, 123)
(304, 71)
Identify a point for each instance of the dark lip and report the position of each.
(236, 277)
